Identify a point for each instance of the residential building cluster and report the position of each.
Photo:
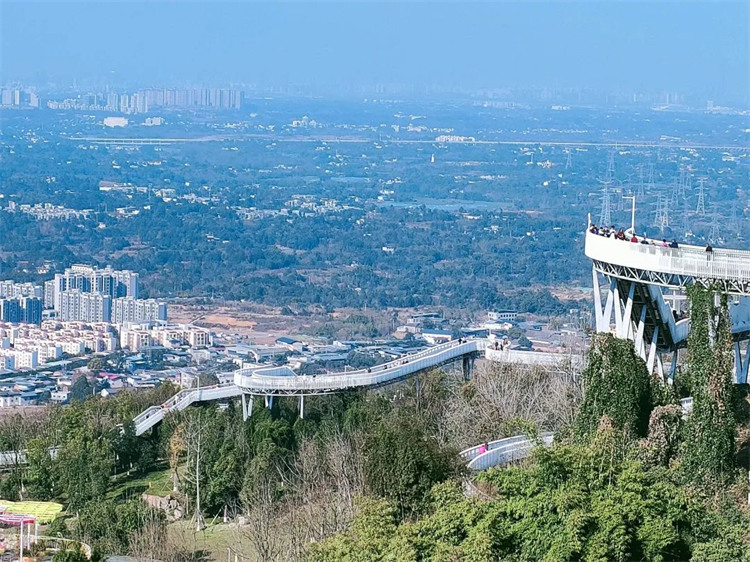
(48, 211)
(219, 98)
(23, 309)
(139, 336)
(81, 293)
(298, 205)
(89, 294)
(26, 346)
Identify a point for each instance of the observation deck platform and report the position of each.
(642, 278)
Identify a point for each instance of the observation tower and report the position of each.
(639, 294)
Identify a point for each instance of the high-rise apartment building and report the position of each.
(25, 309)
(76, 305)
(12, 290)
(138, 310)
(88, 279)
(10, 310)
(31, 310)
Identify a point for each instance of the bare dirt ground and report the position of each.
(572, 293)
(263, 324)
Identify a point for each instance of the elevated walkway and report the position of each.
(155, 414)
(270, 381)
(503, 451)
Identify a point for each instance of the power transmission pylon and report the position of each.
(610, 176)
(675, 199)
(568, 160)
(714, 234)
(640, 191)
(605, 217)
(684, 182)
(651, 178)
(701, 207)
(661, 219)
(685, 217)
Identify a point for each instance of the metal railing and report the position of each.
(691, 261)
(503, 451)
(261, 381)
(153, 415)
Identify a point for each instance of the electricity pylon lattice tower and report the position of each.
(661, 219)
(605, 217)
(640, 192)
(701, 207)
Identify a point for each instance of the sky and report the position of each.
(607, 45)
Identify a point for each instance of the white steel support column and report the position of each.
(618, 308)
(652, 351)
(244, 407)
(603, 317)
(673, 367)
(659, 367)
(627, 321)
(269, 401)
(597, 300)
(640, 348)
(741, 365)
(302, 406)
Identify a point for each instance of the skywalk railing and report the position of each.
(691, 261)
(254, 380)
(503, 451)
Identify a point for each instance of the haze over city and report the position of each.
(363, 281)
(685, 47)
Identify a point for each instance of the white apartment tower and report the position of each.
(87, 279)
(75, 305)
(128, 309)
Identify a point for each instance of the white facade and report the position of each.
(10, 400)
(113, 282)
(128, 309)
(85, 307)
(23, 358)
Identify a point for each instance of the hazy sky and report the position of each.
(680, 46)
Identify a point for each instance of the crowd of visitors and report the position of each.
(629, 236)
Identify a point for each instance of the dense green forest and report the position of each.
(271, 216)
(376, 475)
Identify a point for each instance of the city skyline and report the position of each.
(686, 47)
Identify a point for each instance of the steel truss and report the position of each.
(672, 280)
(644, 318)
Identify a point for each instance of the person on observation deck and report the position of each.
(634, 239)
